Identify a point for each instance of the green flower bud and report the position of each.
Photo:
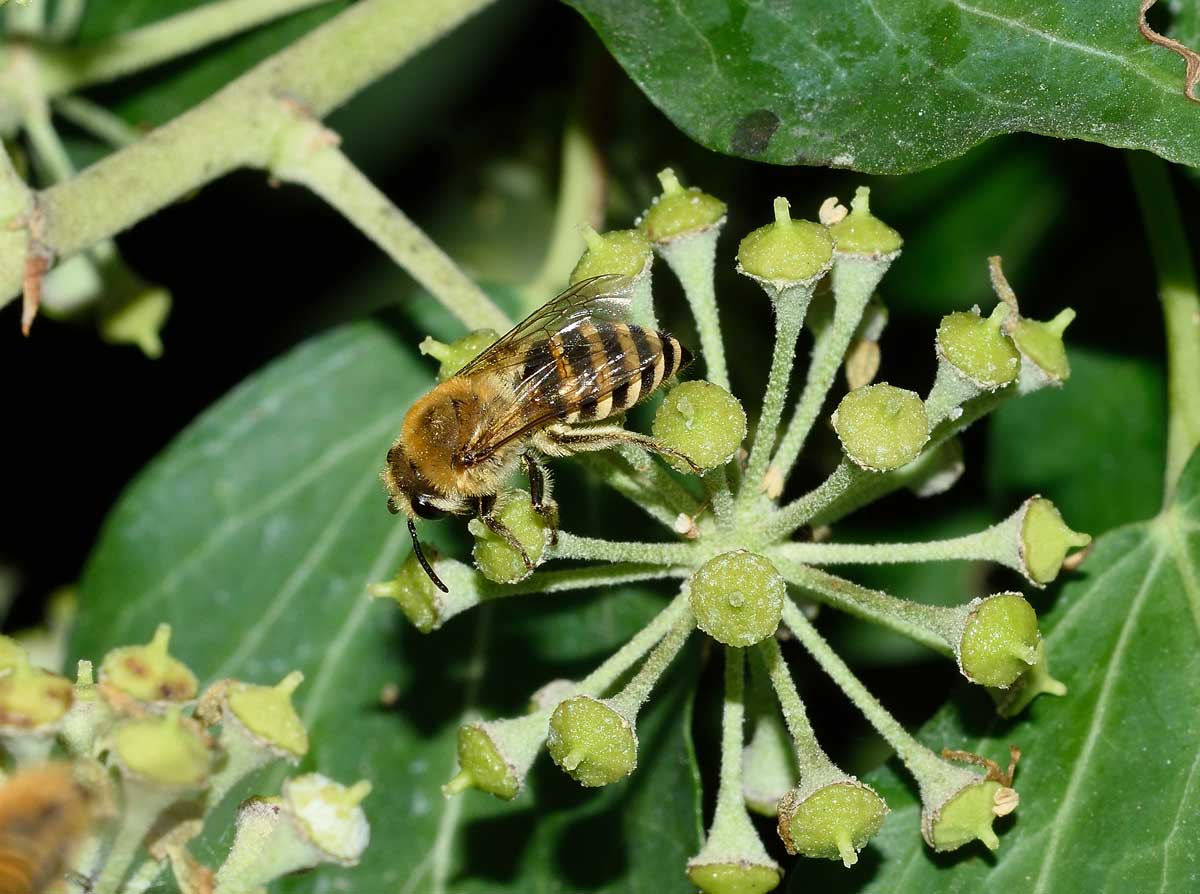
(495, 756)
(329, 815)
(32, 700)
(831, 820)
(137, 319)
(881, 427)
(1045, 540)
(978, 347)
(737, 598)
(1034, 682)
(267, 713)
(1041, 344)
(497, 560)
(734, 878)
(457, 354)
(680, 212)
(999, 640)
(702, 421)
(592, 741)
(167, 750)
(862, 233)
(425, 606)
(965, 816)
(149, 673)
(787, 251)
(626, 252)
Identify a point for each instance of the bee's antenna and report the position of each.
(437, 581)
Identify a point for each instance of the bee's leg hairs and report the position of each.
(486, 505)
(539, 493)
(563, 440)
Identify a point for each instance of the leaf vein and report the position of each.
(1175, 823)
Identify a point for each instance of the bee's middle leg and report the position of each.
(500, 529)
(539, 493)
(563, 440)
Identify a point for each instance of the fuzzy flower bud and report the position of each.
(1041, 344)
(999, 640)
(702, 421)
(494, 557)
(737, 598)
(978, 347)
(592, 740)
(625, 252)
(862, 233)
(830, 818)
(495, 756)
(149, 673)
(881, 427)
(166, 751)
(678, 212)
(1045, 540)
(786, 253)
(457, 354)
(33, 704)
(425, 606)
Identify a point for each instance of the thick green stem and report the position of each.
(571, 546)
(630, 699)
(237, 127)
(809, 755)
(934, 626)
(1180, 299)
(844, 482)
(716, 482)
(693, 258)
(309, 156)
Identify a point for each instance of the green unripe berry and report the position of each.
(457, 354)
(417, 595)
(881, 427)
(1046, 540)
(834, 822)
(862, 233)
(978, 348)
(702, 421)
(166, 750)
(968, 815)
(734, 878)
(497, 560)
(592, 741)
(680, 212)
(267, 712)
(786, 251)
(999, 640)
(149, 673)
(482, 765)
(626, 252)
(1042, 344)
(31, 698)
(737, 598)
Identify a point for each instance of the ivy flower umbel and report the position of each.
(741, 566)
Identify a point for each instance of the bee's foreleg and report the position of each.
(539, 493)
(500, 529)
(563, 440)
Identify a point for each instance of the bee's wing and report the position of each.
(604, 295)
(541, 395)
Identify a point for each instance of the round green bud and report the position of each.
(834, 822)
(862, 233)
(786, 251)
(497, 560)
(734, 878)
(481, 765)
(999, 640)
(417, 595)
(149, 673)
(978, 348)
(680, 212)
(967, 815)
(31, 698)
(592, 741)
(702, 421)
(329, 815)
(881, 427)
(12, 653)
(626, 252)
(166, 750)
(1042, 343)
(737, 598)
(457, 354)
(267, 712)
(1045, 540)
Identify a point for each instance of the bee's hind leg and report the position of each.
(563, 440)
(499, 528)
(539, 492)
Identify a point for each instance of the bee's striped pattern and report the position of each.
(43, 814)
(595, 369)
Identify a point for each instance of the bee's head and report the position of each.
(408, 490)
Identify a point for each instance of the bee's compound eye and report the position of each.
(423, 506)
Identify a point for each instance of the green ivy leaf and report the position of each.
(255, 534)
(893, 87)
(1110, 774)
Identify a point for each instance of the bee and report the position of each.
(540, 390)
(44, 813)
